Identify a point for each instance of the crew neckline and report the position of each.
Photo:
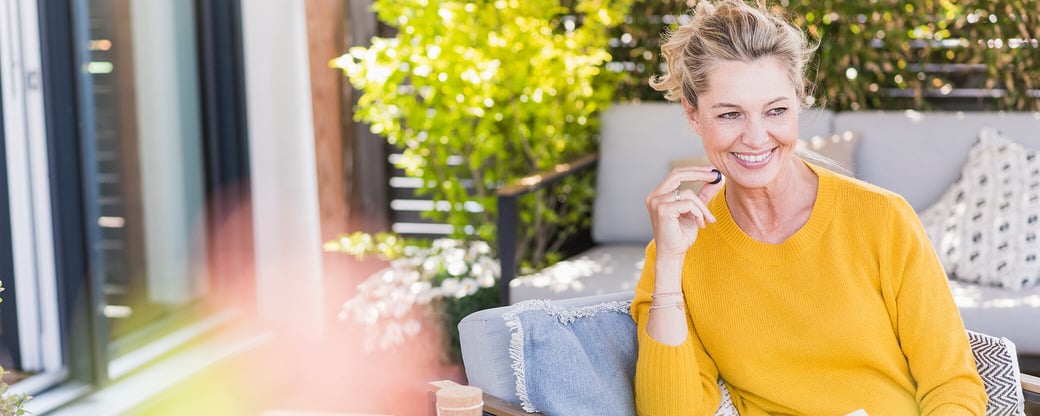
(795, 245)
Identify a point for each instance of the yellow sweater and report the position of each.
(851, 312)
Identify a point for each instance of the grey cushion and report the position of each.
(918, 155)
(602, 269)
(1001, 312)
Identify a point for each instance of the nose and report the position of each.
(755, 133)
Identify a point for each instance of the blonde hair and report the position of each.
(729, 30)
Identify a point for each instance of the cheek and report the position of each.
(720, 136)
(786, 131)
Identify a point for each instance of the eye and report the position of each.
(733, 115)
(779, 111)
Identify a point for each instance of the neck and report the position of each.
(777, 211)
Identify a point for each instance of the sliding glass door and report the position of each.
(124, 174)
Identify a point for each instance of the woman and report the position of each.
(808, 292)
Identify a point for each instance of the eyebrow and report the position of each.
(728, 105)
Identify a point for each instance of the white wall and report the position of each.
(282, 161)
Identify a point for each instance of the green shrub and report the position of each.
(477, 94)
(882, 54)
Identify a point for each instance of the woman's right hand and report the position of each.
(677, 214)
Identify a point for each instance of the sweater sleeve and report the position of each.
(670, 380)
(927, 320)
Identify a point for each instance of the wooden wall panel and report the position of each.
(326, 41)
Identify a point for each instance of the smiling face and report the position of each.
(748, 120)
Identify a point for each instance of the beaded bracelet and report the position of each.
(677, 305)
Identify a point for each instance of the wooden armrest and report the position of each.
(507, 215)
(499, 407)
(547, 177)
(1031, 388)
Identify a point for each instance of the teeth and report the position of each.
(752, 159)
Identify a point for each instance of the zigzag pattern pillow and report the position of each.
(997, 362)
(985, 228)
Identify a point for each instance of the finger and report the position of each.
(698, 204)
(686, 174)
(697, 219)
(709, 189)
(687, 204)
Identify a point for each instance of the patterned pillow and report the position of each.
(997, 362)
(577, 361)
(985, 226)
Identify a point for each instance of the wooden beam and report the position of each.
(325, 39)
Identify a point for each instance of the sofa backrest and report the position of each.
(637, 143)
(919, 154)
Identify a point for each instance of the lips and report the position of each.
(752, 159)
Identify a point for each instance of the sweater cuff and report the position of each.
(952, 409)
(668, 380)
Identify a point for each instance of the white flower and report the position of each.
(394, 332)
(412, 327)
(371, 315)
(425, 297)
(384, 301)
(389, 276)
(485, 280)
(378, 291)
(407, 263)
(449, 286)
(418, 288)
(478, 248)
(355, 307)
(410, 252)
(444, 243)
(400, 309)
(432, 264)
(467, 287)
(410, 277)
(455, 266)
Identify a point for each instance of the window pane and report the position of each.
(148, 166)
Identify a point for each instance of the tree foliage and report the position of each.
(881, 54)
(479, 93)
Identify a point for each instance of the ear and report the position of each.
(691, 116)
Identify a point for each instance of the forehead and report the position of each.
(748, 83)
